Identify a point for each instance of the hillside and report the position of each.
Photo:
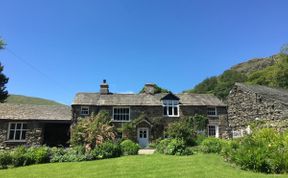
(19, 99)
(271, 71)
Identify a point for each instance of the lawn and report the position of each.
(208, 165)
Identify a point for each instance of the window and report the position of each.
(212, 111)
(84, 110)
(121, 114)
(171, 108)
(17, 131)
(213, 131)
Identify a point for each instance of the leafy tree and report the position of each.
(3, 79)
(207, 86)
(157, 90)
(185, 129)
(226, 82)
(284, 49)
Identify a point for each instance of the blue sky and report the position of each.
(59, 48)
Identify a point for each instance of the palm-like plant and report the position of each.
(93, 130)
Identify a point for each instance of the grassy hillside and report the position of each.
(200, 166)
(19, 99)
(271, 71)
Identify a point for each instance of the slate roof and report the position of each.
(143, 99)
(35, 112)
(268, 92)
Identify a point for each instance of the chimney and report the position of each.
(149, 88)
(104, 88)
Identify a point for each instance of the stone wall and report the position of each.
(245, 106)
(34, 134)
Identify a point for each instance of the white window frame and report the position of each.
(15, 130)
(216, 130)
(122, 113)
(82, 113)
(215, 109)
(173, 104)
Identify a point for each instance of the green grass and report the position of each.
(202, 166)
(19, 99)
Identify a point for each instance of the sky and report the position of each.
(58, 48)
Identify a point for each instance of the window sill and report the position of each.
(171, 116)
(212, 115)
(120, 121)
(15, 141)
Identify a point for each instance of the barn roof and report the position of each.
(186, 99)
(268, 92)
(35, 112)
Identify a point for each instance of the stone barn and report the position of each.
(25, 124)
(249, 103)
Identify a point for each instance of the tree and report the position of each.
(284, 49)
(3, 79)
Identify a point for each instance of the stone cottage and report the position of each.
(247, 103)
(25, 124)
(153, 111)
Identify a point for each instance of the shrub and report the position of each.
(182, 130)
(5, 159)
(107, 150)
(20, 157)
(72, 154)
(200, 138)
(93, 130)
(173, 147)
(211, 145)
(38, 154)
(128, 147)
(162, 146)
(264, 151)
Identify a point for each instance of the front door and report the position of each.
(143, 137)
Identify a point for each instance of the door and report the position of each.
(143, 137)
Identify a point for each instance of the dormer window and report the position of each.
(84, 110)
(171, 108)
(212, 111)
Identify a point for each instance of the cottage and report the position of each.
(25, 124)
(153, 111)
(247, 103)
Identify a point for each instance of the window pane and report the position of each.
(165, 111)
(12, 126)
(170, 110)
(23, 135)
(18, 126)
(11, 135)
(24, 126)
(176, 111)
(212, 130)
(17, 136)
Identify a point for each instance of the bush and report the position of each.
(265, 150)
(200, 138)
(39, 154)
(173, 147)
(107, 150)
(211, 145)
(182, 130)
(93, 130)
(128, 147)
(5, 159)
(20, 158)
(72, 154)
